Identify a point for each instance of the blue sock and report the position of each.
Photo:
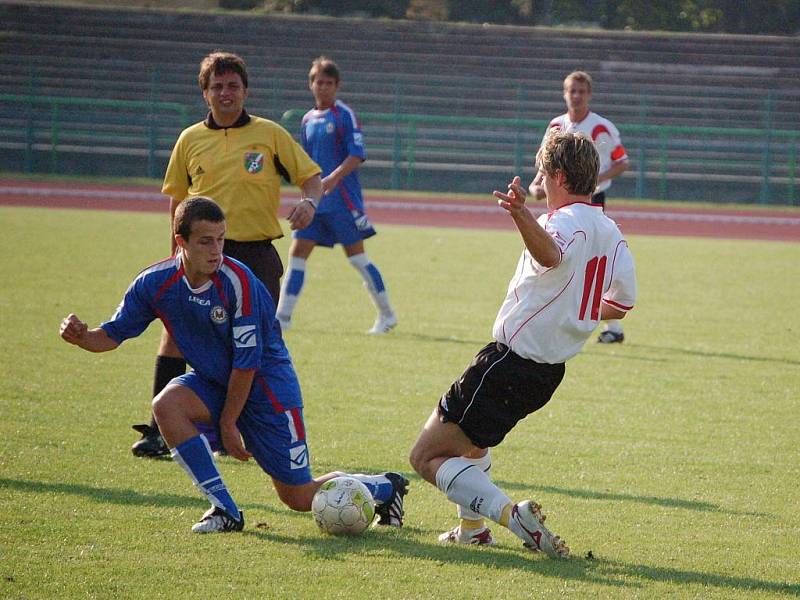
(194, 455)
(295, 281)
(378, 485)
(377, 280)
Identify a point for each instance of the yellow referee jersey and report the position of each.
(240, 168)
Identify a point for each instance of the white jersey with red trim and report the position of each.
(604, 135)
(549, 313)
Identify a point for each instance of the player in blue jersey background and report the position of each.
(243, 383)
(331, 135)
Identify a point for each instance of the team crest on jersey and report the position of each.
(330, 127)
(218, 315)
(253, 162)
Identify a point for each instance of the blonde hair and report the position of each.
(575, 155)
(582, 76)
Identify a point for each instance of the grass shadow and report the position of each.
(649, 573)
(422, 337)
(723, 355)
(681, 503)
(126, 497)
(405, 542)
(595, 571)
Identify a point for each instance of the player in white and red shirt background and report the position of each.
(575, 269)
(613, 158)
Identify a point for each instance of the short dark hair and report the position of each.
(219, 63)
(575, 155)
(322, 65)
(198, 208)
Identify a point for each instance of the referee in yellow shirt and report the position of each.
(238, 160)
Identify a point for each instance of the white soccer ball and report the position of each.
(343, 506)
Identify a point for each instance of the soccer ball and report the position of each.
(343, 506)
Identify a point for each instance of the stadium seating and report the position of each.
(419, 68)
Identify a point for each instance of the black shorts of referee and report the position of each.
(262, 259)
(599, 199)
(496, 391)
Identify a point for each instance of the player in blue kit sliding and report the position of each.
(332, 136)
(243, 383)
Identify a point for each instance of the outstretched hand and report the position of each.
(514, 200)
(73, 329)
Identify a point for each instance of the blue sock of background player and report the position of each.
(295, 280)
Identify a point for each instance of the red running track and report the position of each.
(431, 211)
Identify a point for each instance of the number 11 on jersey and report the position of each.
(593, 286)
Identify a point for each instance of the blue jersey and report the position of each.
(229, 322)
(329, 137)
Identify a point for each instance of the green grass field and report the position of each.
(673, 459)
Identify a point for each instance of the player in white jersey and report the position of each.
(613, 158)
(575, 270)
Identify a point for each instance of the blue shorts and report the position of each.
(337, 227)
(274, 435)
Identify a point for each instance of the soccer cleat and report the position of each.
(472, 537)
(216, 520)
(610, 337)
(383, 324)
(391, 512)
(151, 444)
(535, 536)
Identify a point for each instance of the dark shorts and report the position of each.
(263, 260)
(599, 199)
(496, 391)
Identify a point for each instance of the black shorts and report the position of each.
(263, 260)
(496, 391)
(599, 199)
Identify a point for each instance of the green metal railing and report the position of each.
(410, 151)
(663, 158)
(50, 124)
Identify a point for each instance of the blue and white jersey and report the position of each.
(329, 137)
(229, 322)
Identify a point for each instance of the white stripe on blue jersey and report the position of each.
(237, 286)
(292, 428)
(341, 105)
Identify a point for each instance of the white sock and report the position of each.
(291, 287)
(484, 464)
(373, 281)
(464, 483)
(614, 325)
